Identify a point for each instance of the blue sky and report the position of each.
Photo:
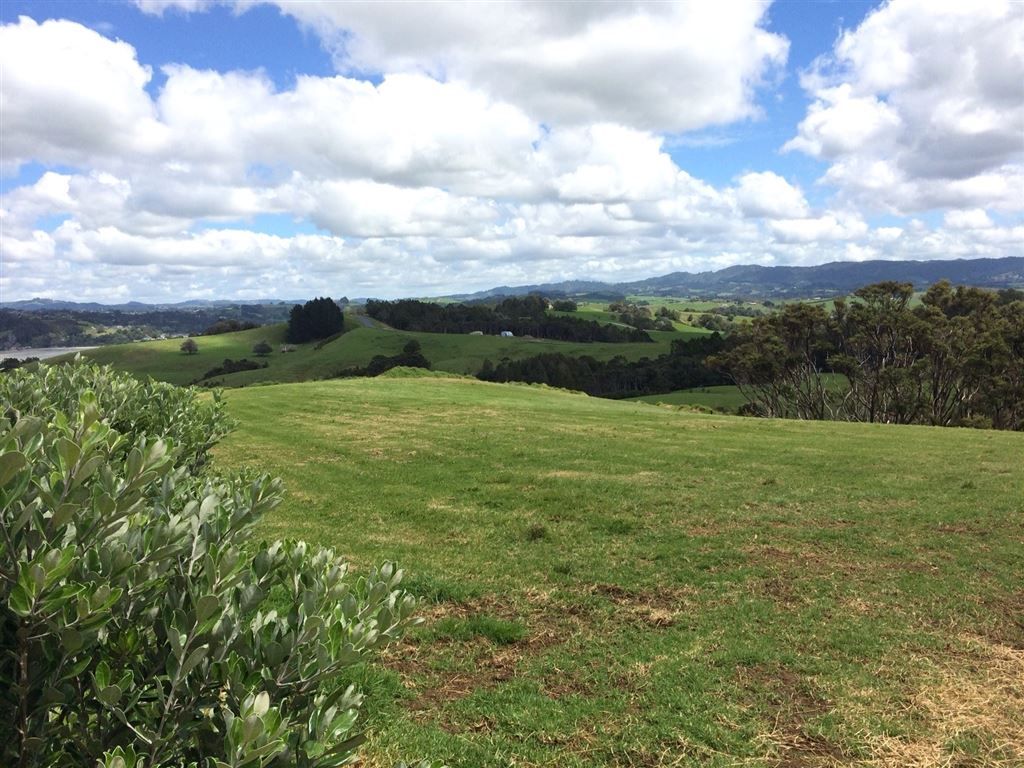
(173, 149)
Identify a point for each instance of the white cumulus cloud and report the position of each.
(650, 65)
(922, 106)
(768, 194)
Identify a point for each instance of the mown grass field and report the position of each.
(455, 353)
(609, 583)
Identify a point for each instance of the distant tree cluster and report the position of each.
(682, 368)
(636, 315)
(956, 359)
(715, 322)
(522, 315)
(313, 320)
(737, 309)
(232, 366)
(35, 329)
(411, 356)
(639, 315)
(13, 363)
(262, 348)
(228, 325)
(564, 305)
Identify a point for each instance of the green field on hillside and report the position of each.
(456, 353)
(695, 307)
(598, 311)
(726, 398)
(610, 583)
(721, 398)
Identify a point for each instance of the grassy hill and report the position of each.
(456, 353)
(614, 583)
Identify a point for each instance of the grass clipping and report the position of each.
(972, 713)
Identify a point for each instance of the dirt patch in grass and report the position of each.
(548, 623)
(795, 705)
(1009, 630)
(492, 666)
(972, 711)
(779, 590)
(964, 528)
(767, 553)
(654, 608)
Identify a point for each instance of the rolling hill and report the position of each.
(614, 583)
(754, 281)
(456, 353)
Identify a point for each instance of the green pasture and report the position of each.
(720, 398)
(457, 353)
(598, 311)
(610, 583)
(726, 398)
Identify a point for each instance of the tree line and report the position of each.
(956, 359)
(522, 315)
(411, 356)
(683, 367)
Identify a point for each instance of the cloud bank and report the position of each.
(496, 144)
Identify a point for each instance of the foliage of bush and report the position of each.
(129, 406)
(139, 627)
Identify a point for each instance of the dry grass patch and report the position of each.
(548, 623)
(573, 474)
(653, 608)
(972, 711)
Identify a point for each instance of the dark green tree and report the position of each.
(316, 319)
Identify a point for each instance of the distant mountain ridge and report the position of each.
(755, 281)
(742, 281)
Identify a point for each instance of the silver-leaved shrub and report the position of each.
(140, 626)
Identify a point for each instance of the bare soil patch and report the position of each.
(796, 705)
